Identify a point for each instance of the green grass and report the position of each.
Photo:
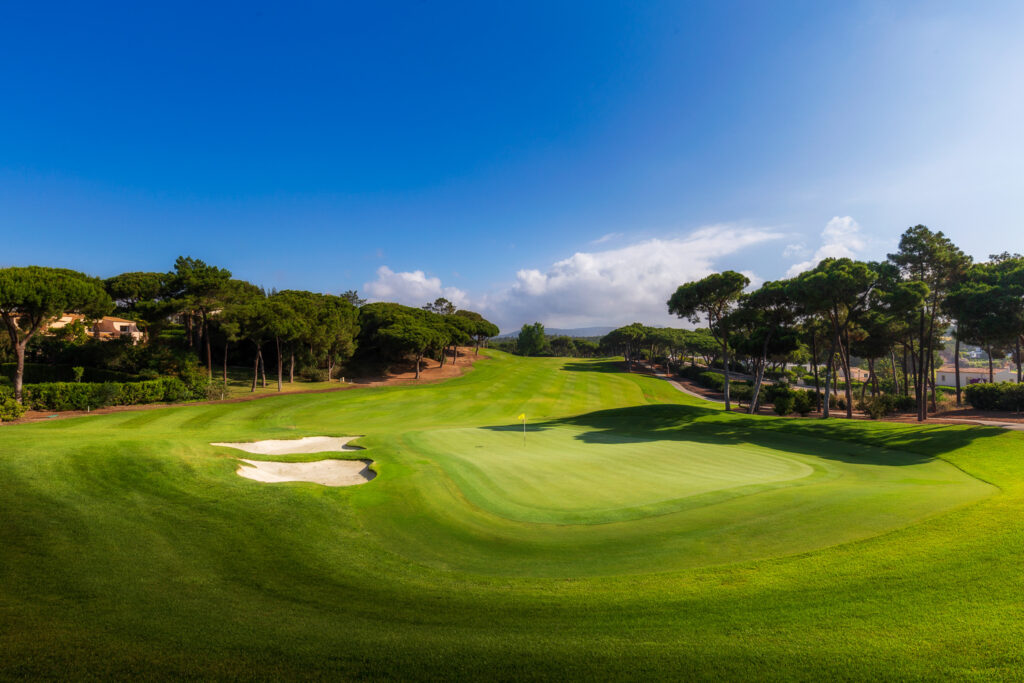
(638, 534)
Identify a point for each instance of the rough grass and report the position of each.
(641, 534)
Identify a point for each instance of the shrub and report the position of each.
(803, 402)
(877, 407)
(774, 391)
(784, 404)
(712, 380)
(313, 374)
(10, 409)
(174, 390)
(1001, 396)
(89, 395)
(836, 402)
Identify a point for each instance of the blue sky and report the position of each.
(563, 162)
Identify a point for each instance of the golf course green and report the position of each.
(632, 531)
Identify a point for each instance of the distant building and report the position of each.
(104, 329)
(946, 375)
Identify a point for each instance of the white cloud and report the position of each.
(617, 286)
(411, 288)
(610, 287)
(841, 238)
(606, 238)
(795, 251)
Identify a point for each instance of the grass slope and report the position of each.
(640, 533)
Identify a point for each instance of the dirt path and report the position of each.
(430, 372)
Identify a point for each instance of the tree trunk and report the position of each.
(931, 379)
(906, 379)
(759, 377)
(263, 368)
(280, 364)
(225, 363)
(1018, 359)
(725, 367)
(455, 354)
(188, 329)
(256, 368)
(209, 348)
(291, 368)
(330, 368)
(19, 372)
(991, 373)
(844, 359)
(919, 385)
(956, 367)
(814, 362)
(895, 377)
(825, 409)
(418, 359)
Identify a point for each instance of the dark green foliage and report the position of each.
(879, 406)
(532, 341)
(783, 404)
(999, 396)
(89, 395)
(804, 402)
(36, 373)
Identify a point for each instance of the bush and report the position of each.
(1001, 396)
(878, 406)
(803, 402)
(10, 409)
(836, 402)
(313, 374)
(784, 404)
(89, 395)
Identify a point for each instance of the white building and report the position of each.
(946, 375)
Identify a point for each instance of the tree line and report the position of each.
(890, 313)
(209, 314)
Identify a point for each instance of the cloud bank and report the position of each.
(841, 238)
(610, 287)
(413, 288)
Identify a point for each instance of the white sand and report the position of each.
(326, 472)
(307, 444)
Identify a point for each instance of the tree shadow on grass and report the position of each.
(606, 366)
(853, 441)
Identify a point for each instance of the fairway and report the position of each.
(636, 532)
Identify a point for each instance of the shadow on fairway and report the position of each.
(614, 366)
(834, 439)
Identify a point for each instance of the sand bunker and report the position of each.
(307, 444)
(326, 472)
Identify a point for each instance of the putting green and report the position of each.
(564, 475)
(567, 475)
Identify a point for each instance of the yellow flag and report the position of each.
(522, 416)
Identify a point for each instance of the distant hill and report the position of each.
(559, 331)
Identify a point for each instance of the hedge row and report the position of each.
(1000, 396)
(89, 395)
